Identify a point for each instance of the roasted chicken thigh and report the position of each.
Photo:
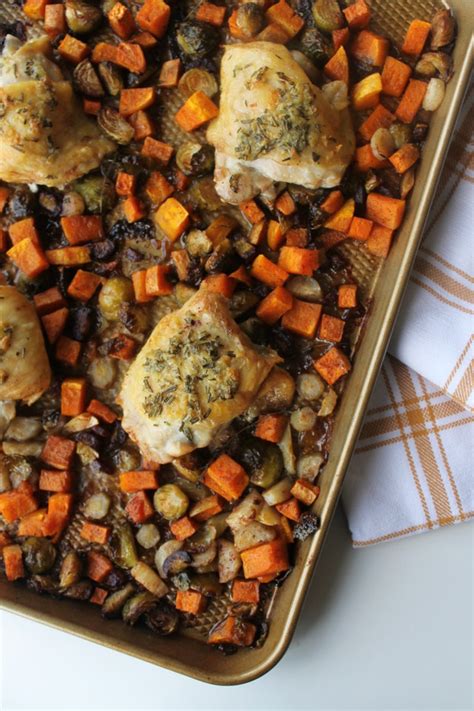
(45, 137)
(274, 125)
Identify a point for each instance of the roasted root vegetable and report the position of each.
(338, 66)
(153, 17)
(133, 481)
(190, 601)
(416, 36)
(173, 218)
(273, 306)
(302, 318)
(226, 477)
(366, 93)
(266, 271)
(385, 210)
(232, 631)
(73, 396)
(283, 15)
(405, 157)
(29, 258)
(271, 427)
(297, 260)
(13, 561)
(267, 559)
(395, 75)
(369, 47)
(198, 110)
(357, 14)
(332, 366)
(411, 100)
(342, 218)
(380, 240)
(347, 296)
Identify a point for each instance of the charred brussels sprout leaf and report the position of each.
(82, 17)
(327, 15)
(136, 606)
(263, 460)
(162, 619)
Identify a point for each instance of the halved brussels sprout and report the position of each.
(126, 551)
(327, 15)
(136, 606)
(114, 293)
(114, 602)
(111, 77)
(249, 19)
(206, 583)
(198, 80)
(115, 126)
(262, 460)
(164, 552)
(97, 506)
(197, 40)
(71, 568)
(162, 619)
(202, 539)
(82, 17)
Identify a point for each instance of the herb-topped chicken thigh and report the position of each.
(274, 125)
(45, 137)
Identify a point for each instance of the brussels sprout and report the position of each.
(136, 606)
(262, 460)
(197, 40)
(126, 552)
(86, 80)
(198, 80)
(198, 244)
(115, 601)
(194, 159)
(115, 292)
(203, 194)
(115, 126)
(432, 63)
(82, 17)
(162, 619)
(443, 27)
(39, 555)
(303, 419)
(315, 46)
(111, 77)
(170, 501)
(327, 15)
(249, 19)
(97, 192)
(202, 560)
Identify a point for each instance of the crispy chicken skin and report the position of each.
(274, 125)
(45, 137)
(24, 366)
(196, 372)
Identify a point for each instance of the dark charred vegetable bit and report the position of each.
(162, 619)
(420, 131)
(137, 606)
(81, 590)
(43, 584)
(196, 40)
(206, 583)
(433, 64)
(102, 251)
(315, 46)
(115, 580)
(80, 323)
(306, 526)
(39, 555)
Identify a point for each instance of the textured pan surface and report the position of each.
(191, 656)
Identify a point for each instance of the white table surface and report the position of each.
(386, 627)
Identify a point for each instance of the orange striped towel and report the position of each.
(413, 466)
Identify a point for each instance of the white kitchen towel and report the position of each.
(413, 468)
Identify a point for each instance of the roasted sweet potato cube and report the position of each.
(332, 365)
(266, 559)
(271, 427)
(302, 318)
(347, 296)
(98, 566)
(331, 328)
(190, 601)
(133, 481)
(183, 528)
(245, 591)
(233, 631)
(95, 533)
(138, 508)
(55, 480)
(58, 452)
(98, 596)
(305, 492)
(226, 477)
(290, 509)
